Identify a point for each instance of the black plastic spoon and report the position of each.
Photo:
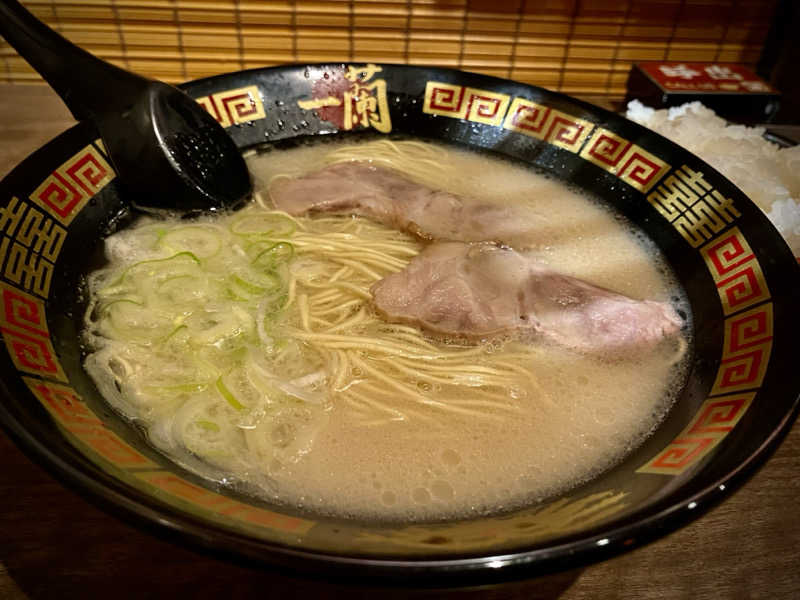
(167, 150)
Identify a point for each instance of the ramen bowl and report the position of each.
(739, 397)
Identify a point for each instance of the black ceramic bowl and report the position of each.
(741, 279)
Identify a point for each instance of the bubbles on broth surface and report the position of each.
(314, 411)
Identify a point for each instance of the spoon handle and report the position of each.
(81, 79)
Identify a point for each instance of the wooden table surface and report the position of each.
(54, 544)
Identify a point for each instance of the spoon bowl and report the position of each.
(167, 138)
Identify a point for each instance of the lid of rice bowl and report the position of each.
(733, 91)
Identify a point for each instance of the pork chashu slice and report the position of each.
(479, 291)
(388, 197)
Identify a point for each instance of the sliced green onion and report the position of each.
(273, 255)
(182, 388)
(200, 240)
(268, 224)
(137, 321)
(255, 283)
(106, 307)
(210, 328)
(232, 294)
(207, 425)
(183, 292)
(229, 397)
(173, 332)
(150, 268)
(154, 262)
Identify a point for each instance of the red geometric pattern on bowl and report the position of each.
(67, 189)
(459, 102)
(736, 272)
(548, 124)
(26, 335)
(708, 427)
(233, 107)
(745, 351)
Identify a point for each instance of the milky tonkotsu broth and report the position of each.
(580, 415)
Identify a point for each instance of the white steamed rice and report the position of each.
(767, 174)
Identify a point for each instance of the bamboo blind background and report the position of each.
(581, 47)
